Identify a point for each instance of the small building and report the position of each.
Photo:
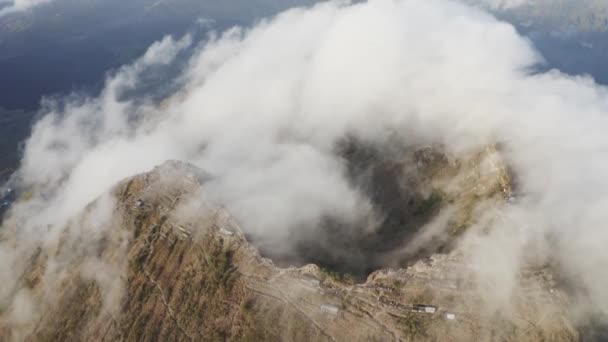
(421, 308)
(226, 232)
(139, 204)
(311, 281)
(450, 316)
(185, 233)
(330, 309)
(430, 309)
(452, 285)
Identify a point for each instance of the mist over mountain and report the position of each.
(389, 169)
(64, 46)
(572, 35)
(68, 45)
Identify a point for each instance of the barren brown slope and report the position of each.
(169, 268)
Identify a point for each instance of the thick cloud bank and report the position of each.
(262, 109)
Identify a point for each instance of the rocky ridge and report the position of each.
(170, 266)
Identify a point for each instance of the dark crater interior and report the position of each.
(397, 183)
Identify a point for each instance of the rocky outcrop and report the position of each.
(170, 266)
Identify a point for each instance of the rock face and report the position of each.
(421, 200)
(167, 267)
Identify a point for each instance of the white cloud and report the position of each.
(511, 4)
(263, 108)
(13, 6)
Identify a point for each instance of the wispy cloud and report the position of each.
(13, 6)
(504, 4)
(262, 109)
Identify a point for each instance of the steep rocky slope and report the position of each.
(421, 198)
(170, 266)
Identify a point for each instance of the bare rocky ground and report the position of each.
(170, 268)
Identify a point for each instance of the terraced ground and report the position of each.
(170, 266)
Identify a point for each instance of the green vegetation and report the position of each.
(414, 326)
(26, 196)
(250, 330)
(345, 278)
(396, 283)
(218, 272)
(429, 205)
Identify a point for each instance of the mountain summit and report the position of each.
(168, 265)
